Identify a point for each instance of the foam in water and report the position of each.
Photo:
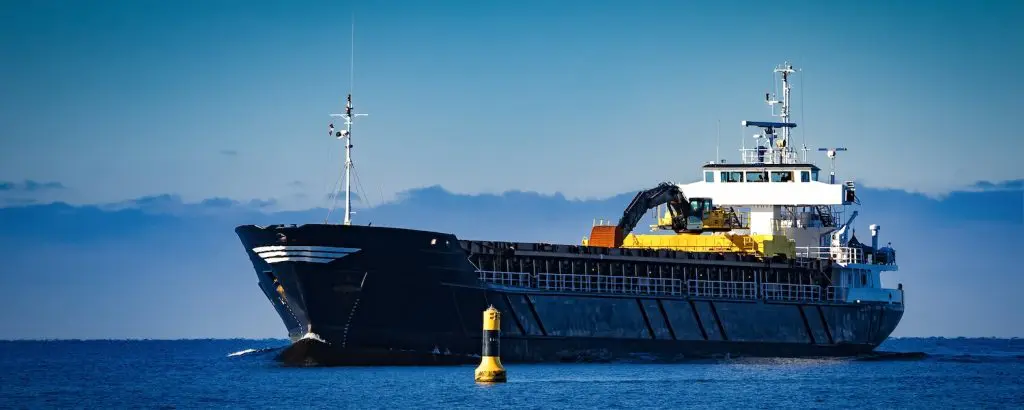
(242, 352)
(251, 351)
(313, 336)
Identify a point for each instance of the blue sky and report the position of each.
(202, 99)
(164, 124)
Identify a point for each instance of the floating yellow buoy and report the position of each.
(490, 369)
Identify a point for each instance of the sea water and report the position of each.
(962, 373)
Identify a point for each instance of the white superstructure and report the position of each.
(778, 193)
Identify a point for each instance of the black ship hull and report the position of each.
(358, 295)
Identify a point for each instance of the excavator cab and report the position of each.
(699, 207)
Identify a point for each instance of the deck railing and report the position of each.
(763, 156)
(790, 292)
(836, 293)
(722, 289)
(514, 279)
(568, 282)
(843, 255)
(633, 285)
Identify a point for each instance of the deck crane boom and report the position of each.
(841, 236)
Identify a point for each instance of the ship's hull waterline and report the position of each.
(359, 295)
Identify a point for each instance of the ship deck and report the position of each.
(519, 266)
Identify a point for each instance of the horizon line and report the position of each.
(1008, 185)
(288, 340)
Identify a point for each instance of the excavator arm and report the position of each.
(663, 194)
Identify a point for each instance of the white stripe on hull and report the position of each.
(304, 248)
(311, 254)
(299, 259)
(327, 255)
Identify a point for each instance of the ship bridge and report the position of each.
(768, 184)
(785, 199)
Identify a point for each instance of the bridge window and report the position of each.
(805, 176)
(814, 175)
(709, 176)
(732, 176)
(756, 176)
(782, 176)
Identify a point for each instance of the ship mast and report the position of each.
(346, 134)
(784, 111)
(773, 142)
(348, 160)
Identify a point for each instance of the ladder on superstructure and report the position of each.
(825, 215)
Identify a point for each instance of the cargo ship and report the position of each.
(757, 258)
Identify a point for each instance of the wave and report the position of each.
(891, 356)
(252, 351)
(980, 358)
(942, 357)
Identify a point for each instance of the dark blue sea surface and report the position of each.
(962, 373)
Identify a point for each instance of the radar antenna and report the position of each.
(831, 152)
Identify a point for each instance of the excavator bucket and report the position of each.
(607, 236)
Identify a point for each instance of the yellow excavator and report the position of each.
(685, 216)
(690, 219)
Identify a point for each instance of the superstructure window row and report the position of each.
(761, 176)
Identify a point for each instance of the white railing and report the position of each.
(836, 293)
(790, 292)
(568, 282)
(840, 254)
(515, 279)
(564, 282)
(722, 289)
(750, 156)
